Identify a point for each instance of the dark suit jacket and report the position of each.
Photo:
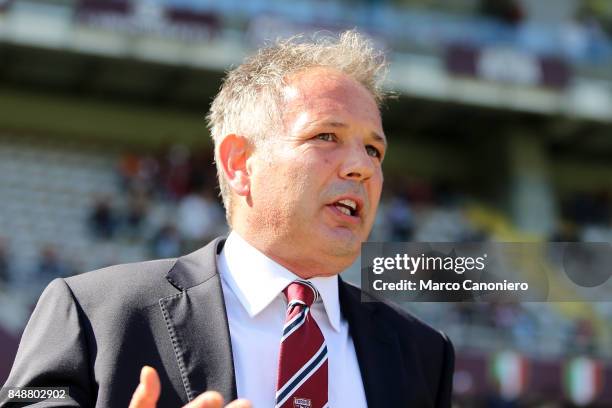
(94, 332)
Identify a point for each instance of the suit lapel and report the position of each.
(197, 324)
(377, 349)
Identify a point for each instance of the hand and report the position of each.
(147, 394)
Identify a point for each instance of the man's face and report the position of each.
(316, 183)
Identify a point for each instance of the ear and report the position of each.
(233, 153)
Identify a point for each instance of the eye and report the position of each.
(373, 151)
(329, 137)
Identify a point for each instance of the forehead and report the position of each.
(322, 91)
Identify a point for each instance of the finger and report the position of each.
(147, 392)
(209, 399)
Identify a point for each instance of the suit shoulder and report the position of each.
(138, 280)
(134, 270)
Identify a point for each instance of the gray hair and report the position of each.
(247, 103)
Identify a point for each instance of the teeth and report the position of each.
(343, 209)
(350, 203)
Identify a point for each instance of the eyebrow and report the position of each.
(374, 134)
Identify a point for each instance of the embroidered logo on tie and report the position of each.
(301, 403)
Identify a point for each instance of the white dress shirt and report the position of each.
(252, 285)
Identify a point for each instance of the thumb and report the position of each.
(147, 392)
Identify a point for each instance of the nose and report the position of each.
(357, 164)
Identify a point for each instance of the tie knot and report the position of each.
(301, 292)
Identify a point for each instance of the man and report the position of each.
(263, 315)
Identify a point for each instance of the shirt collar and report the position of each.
(257, 280)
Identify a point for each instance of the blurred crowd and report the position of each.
(50, 265)
(179, 181)
(169, 204)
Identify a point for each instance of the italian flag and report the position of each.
(510, 371)
(583, 380)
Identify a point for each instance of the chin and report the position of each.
(338, 242)
(344, 248)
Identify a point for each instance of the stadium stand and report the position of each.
(47, 193)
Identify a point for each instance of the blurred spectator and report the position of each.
(50, 265)
(400, 220)
(137, 207)
(465, 313)
(582, 337)
(199, 217)
(177, 172)
(167, 242)
(139, 172)
(102, 220)
(129, 167)
(525, 329)
(505, 315)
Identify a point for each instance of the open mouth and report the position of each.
(347, 206)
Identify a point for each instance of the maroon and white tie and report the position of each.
(302, 366)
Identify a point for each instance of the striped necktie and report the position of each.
(302, 366)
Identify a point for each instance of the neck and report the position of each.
(304, 267)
